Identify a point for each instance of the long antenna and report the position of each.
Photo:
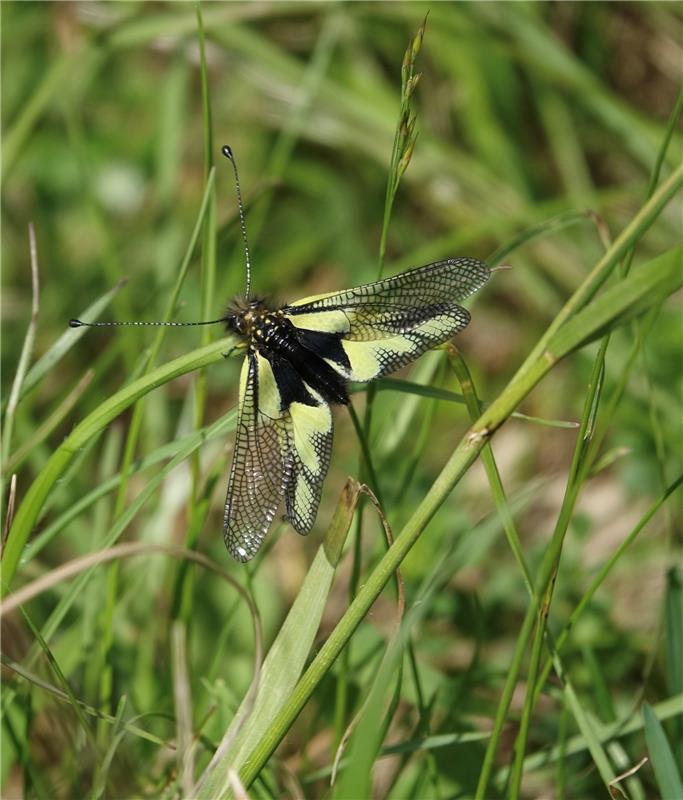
(227, 152)
(77, 323)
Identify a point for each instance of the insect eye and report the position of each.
(235, 324)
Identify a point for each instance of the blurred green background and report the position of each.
(528, 115)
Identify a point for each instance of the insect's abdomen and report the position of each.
(293, 364)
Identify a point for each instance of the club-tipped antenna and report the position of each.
(77, 323)
(227, 152)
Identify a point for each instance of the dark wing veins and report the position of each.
(259, 472)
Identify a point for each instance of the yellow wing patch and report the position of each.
(335, 321)
(372, 359)
(310, 433)
(314, 298)
(268, 393)
(369, 359)
(309, 423)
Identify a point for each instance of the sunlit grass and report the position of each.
(539, 651)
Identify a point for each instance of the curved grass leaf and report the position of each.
(536, 366)
(39, 490)
(287, 656)
(628, 298)
(663, 762)
(49, 424)
(67, 340)
(36, 680)
(436, 393)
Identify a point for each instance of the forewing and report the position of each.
(390, 306)
(309, 446)
(261, 465)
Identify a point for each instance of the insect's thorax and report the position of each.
(261, 326)
(269, 332)
(296, 355)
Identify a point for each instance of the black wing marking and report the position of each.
(261, 466)
(306, 433)
(391, 306)
(365, 360)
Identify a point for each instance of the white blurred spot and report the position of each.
(120, 188)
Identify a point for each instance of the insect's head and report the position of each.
(235, 323)
(242, 315)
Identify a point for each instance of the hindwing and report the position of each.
(309, 444)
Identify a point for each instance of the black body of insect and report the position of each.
(299, 360)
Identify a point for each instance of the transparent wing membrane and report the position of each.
(452, 279)
(260, 469)
(392, 306)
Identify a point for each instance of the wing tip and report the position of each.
(240, 549)
(301, 526)
(474, 264)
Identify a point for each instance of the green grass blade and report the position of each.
(168, 450)
(131, 728)
(405, 136)
(589, 732)
(171, 304)
(637, 228)
(436, 393)
(66, 687)
(464, 455)
(26, 350)
(642, 289)
(605, 570)
(49, 360)
(73, 593)
(663, 762)
(469, 391)
(542, 229)
(118, 732)
(39, 490)
(668, 709)
(470, 549)
(366, 739)
(199, 509)
(287, 656)
(50, 423)
(545, 585)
